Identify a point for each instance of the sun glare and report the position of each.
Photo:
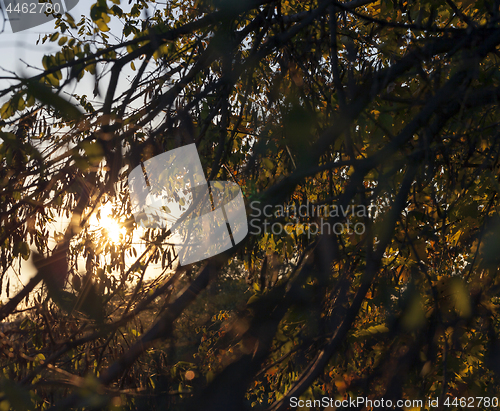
(109, 226)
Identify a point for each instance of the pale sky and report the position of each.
(22, 45)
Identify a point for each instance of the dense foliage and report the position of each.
(319, 110)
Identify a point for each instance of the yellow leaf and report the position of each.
(102, 25)
(268, 164)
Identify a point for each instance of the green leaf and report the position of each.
(30, 101)
(21, 104)
(386, 120)
(414, 316)
(71, 21)
(268, 164)
(46, 62)
(24, 250)
(6, 111)
(117, 11)
(94, 151)
(45, 95)
(52, 79)
(95, 12)
(16, 395)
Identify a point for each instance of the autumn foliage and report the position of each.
(385, 104)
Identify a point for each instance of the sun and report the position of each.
(107, 225)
